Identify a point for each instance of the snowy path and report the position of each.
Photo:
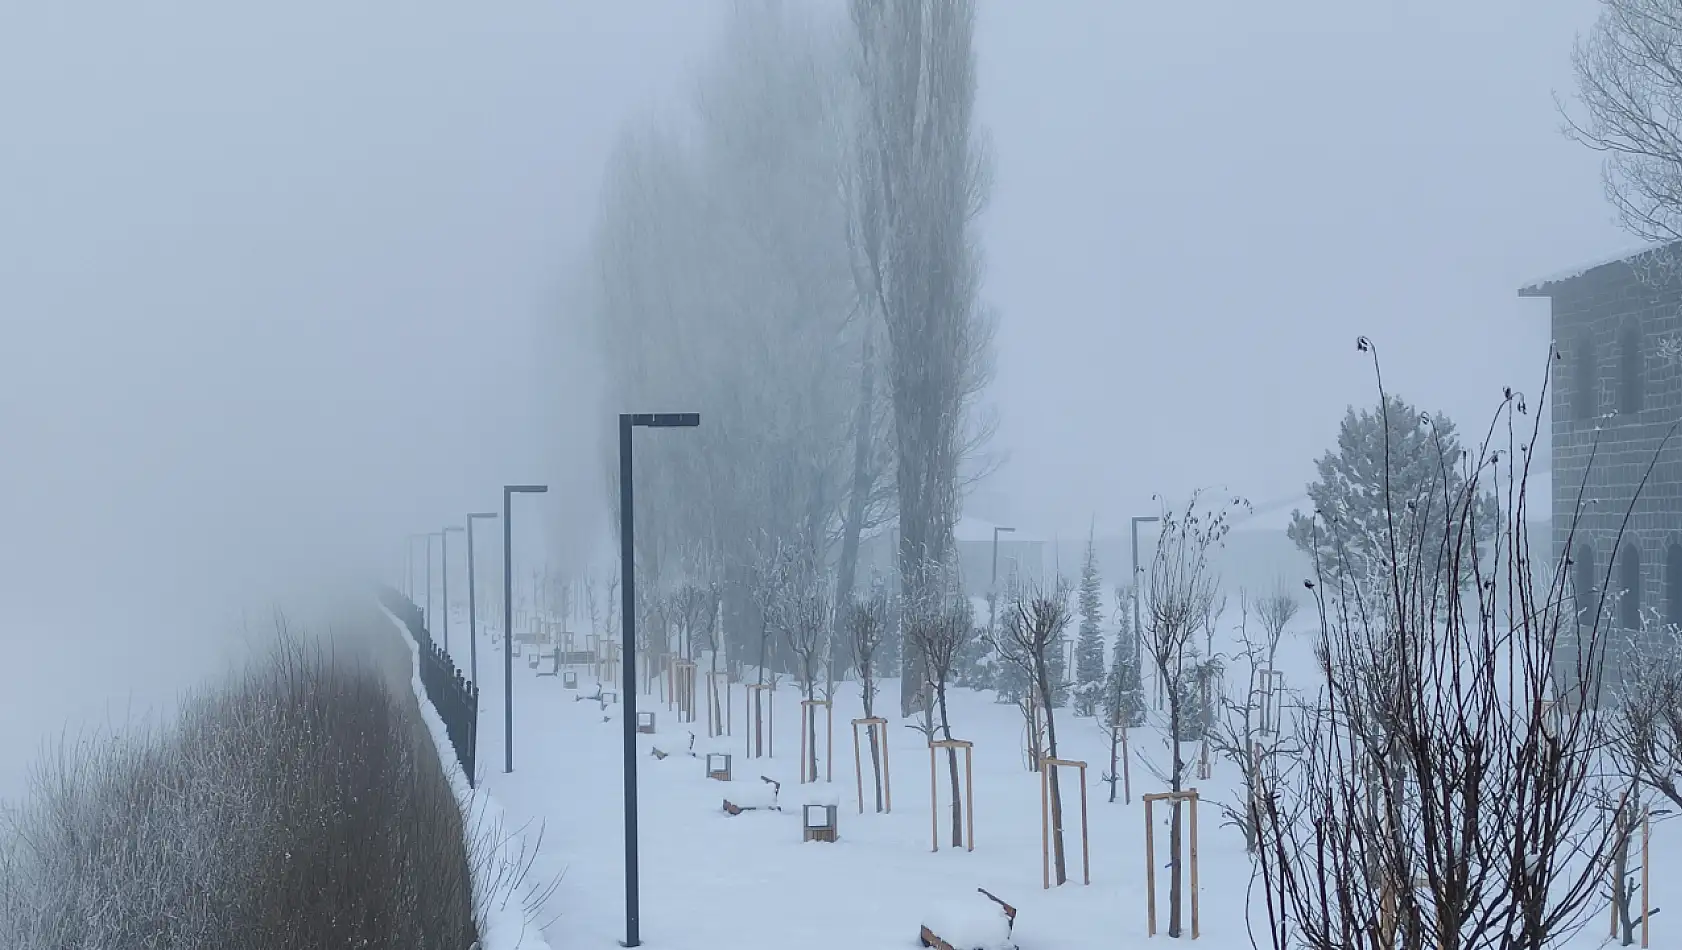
(710, 881)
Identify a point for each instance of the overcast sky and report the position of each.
(281, 282)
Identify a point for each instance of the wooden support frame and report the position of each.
(808, 733)
(879, 726)
(1190, 796)
(645, 721)
(569, 679)
(760, 724)
(720, 711)
(718, 766)
(969, 790)
(1646, 857)
(683, 681)
(1046, 831)
(1267, 684)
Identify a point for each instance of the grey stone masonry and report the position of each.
(1615, 391)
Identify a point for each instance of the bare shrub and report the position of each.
(1451, 771)
(303, 805)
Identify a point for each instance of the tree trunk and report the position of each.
(715, 709)
(1174, 866)
(859, 494)
(952, 771)
(868, 682)
(1057, 855)
(1115, 760)
(812, 740)
(876, 766)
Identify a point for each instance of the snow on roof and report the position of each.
(1539, 287)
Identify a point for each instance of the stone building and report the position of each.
(1616, 398)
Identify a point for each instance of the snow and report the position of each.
(975, 924)
(711, 881)
(1538, 286)
(504, 924)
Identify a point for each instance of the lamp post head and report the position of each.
(526, 489)
(998, 530)
(483, 514)
(664, 420)
(454, 527)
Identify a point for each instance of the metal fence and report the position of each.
(454, 697)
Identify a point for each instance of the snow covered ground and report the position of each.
(710, 880)
(713, 881)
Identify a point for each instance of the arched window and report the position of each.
(1629, 584)
(1585, 387)
(1583, 583)
(1630, 367)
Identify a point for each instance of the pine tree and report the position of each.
(1089, 648)
(1350, 534)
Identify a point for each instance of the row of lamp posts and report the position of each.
(628, 423)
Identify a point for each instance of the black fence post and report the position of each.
(452, 695)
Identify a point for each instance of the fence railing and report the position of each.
(454, 697)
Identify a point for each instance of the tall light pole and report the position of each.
(508, 493)
(993, 599)
(409, 551)
(628, 422)
(472, 601)
(444, 571)
(429, 536)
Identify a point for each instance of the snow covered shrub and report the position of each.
(301, 806)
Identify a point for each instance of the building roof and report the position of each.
(1545, 286)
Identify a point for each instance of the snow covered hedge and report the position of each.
(301, 805)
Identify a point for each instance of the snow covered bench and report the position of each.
(970, 925)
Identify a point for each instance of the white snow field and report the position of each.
(712, 881)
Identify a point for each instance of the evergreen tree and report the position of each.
(1350, 536)
(1089, 648)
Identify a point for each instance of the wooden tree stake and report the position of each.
(878, 726)
(808, 727)
(1189, 796)
(1046, 830)
(969, 790)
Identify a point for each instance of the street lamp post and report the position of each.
(628, 624)
(429, 536)
(472, 600)
(444, 572)
(993, 600)
(508, 493)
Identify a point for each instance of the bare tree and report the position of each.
(1452, 802)
(805, 619)
(1034, 627)
(865, 623)
(937, 627)
(1629, 84)
(918, 180)
(1237, 734)
(1275, 612)
(1179, 600)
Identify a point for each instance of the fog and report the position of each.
(280, 285)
